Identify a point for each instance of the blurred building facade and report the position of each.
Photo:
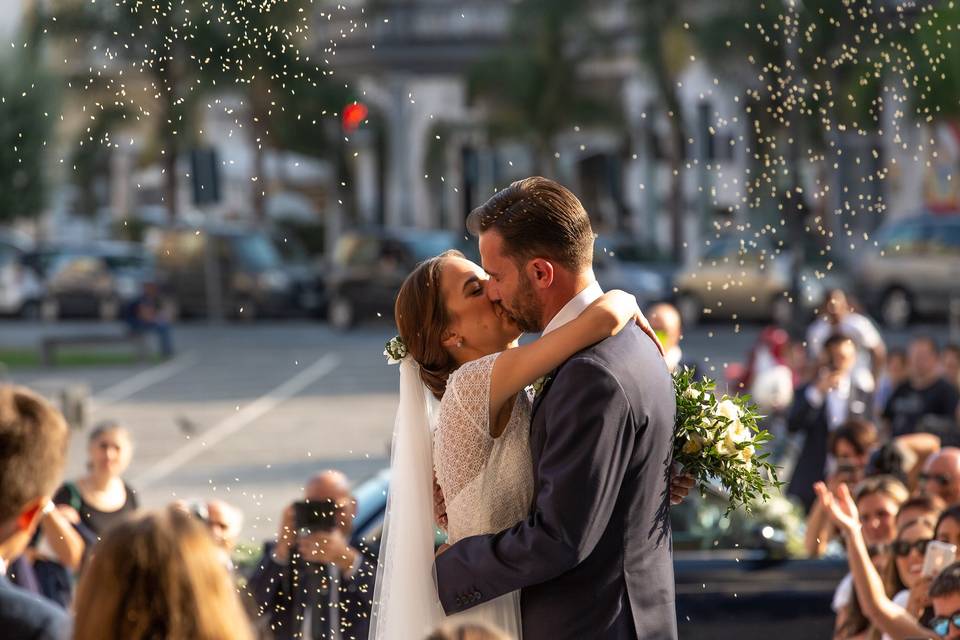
(426, 155)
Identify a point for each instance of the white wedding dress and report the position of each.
(487, 482)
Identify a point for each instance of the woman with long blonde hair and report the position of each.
(157, 576)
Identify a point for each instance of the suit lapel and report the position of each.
(538, 400)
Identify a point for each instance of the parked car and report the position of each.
(369, 266)
(253, 280)
(751, 279)
(306, 274)
(93, 281)
(620, 263)
(21, 289)
(912, 270)
(734, 578)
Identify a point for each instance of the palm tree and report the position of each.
(660, 30)
(144, 57)
(261, 49)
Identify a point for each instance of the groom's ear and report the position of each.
(540, 272)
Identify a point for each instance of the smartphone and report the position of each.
(939, 555)
(316, 516)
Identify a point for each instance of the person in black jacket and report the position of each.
(33, 440)
(314, 584)
(836, 395)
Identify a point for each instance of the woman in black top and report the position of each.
(92, 505)
(101, 498)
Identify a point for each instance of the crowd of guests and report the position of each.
(874, 460)
(878, 470)
(80, 559)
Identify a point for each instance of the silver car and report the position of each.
(913, 269)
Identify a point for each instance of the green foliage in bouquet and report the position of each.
(719, 439)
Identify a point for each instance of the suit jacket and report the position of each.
(593, 559)
(26, 616)
(284, 592)
(812, 420)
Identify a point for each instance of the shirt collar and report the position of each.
(575, 307)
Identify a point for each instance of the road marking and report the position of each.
(154, 375)
(237, 421)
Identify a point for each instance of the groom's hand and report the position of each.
(439, 504)
(680, 486)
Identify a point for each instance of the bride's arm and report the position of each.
(519, 367)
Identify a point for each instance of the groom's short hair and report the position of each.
(538, 218)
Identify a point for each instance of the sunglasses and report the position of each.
(873, 550)
(941, 625)
(903, 548)
(942, 479)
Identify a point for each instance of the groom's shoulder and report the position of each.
(627, 349)
(620, 355)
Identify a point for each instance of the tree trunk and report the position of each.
(675, 204)
(260, 186)
(171, 181)
(259, 108)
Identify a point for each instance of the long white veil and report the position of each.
(405, 601)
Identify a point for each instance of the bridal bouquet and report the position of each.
(718, 438)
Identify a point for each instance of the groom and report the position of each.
(593, 558)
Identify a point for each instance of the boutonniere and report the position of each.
(538, 385)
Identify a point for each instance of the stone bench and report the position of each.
(50, 345)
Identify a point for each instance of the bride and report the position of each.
(461, 349)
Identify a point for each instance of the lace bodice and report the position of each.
(487, 482)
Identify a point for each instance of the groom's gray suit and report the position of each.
(593, 559)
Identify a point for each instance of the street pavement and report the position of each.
(248, 412)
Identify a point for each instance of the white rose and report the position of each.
(735, 431)
(746, 455)
(726, 446)
(694, 444)
(728, 409)
(692, 393)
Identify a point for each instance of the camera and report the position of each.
(322, 515)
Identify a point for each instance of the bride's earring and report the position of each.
(460, 343)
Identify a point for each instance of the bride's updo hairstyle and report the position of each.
(421, 316)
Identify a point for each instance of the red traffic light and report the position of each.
(353, 115)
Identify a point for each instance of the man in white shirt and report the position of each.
(839, 317)
(837, 394)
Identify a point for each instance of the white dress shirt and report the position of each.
(838, 401)
(577, 305)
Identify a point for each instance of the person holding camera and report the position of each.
(835, 396)
(311, 582)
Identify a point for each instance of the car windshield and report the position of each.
(257, 252)
(126, 262)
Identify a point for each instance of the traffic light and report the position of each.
(353, 116)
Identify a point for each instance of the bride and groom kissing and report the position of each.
(553, 459)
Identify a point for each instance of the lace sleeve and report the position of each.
(463, 438)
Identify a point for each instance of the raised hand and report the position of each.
(839, 506)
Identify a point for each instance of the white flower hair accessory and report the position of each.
(395, 350)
